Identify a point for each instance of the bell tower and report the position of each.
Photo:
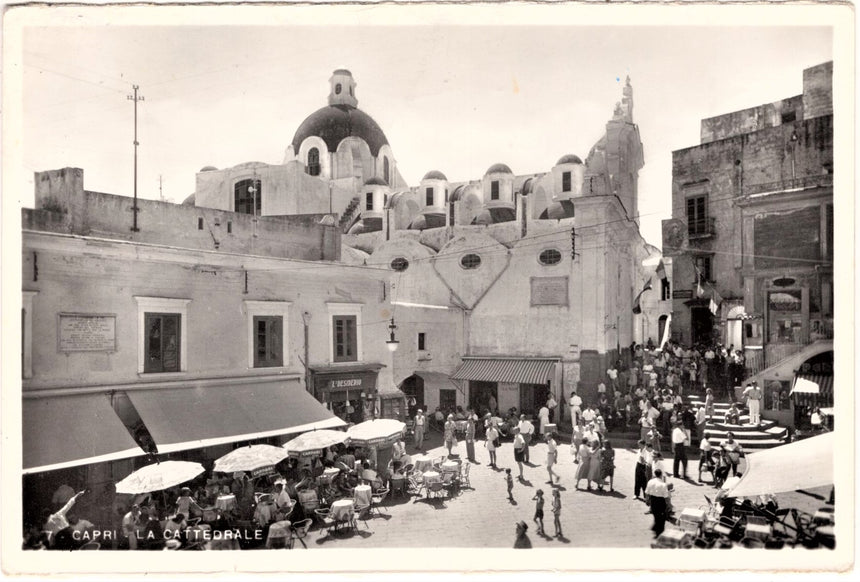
(342, 89)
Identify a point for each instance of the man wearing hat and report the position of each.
(420, 421)
(522, 542)
(527, 430)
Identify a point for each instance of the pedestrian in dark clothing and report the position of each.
(658, 492)
(522, 542)
(643, 461)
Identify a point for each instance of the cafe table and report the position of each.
(342, 511)
(431, 476)
(279, 535)
(423, 463)
(758, 531)
(362, 494)
(226, 502)
(450, 467)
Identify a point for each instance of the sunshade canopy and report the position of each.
(800, 465)
(159, 477)
(311, 444)
(377, 432)
(250, 458)
(514, 370)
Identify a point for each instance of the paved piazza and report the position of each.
(482, 517)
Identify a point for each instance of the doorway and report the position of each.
(447, 400)
(701, 325)
(532, 398)
(483, 396)
(413, 387)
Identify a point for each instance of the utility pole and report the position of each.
(160, 191)
(134, 209)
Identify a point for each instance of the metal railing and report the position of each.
(701, 227)
(816, 181)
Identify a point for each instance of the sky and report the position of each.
(451, 94)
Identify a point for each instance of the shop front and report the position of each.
(499, 384)
(349, 392)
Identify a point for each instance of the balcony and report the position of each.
(801, 183)
(701, 228)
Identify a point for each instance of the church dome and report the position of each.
(568, 159)
(208, 169)
(498, 169)
(334, 123)
(434, 175)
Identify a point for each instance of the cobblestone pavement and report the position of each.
(482, 517)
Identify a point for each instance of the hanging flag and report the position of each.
(661, 270)
(713, 306)
(637, 308)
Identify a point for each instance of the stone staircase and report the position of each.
(767, 435)
(346, 218)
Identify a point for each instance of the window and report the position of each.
(229, 226)
(399, 264)
(446, 196)
(268, 351)
(428, 197)
(162, 334)
(247, 197)
(346, 344)
(385, 167)
(27, 334)
(313, 162)
(267, 333)
(369, 201)
(565, 181)
(345, 341)
(697, 215)
(470, 261)
(384, 200)
(494, 190)
(550, 257)
(665, 290)
(200, 224)
(337, 89)
(162, 342)
(422, 341)
(788, 117)
(703, 268)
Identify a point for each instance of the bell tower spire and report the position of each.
(342, 89)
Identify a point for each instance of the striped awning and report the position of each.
(824, 397)
(825, 383)
(514, 370)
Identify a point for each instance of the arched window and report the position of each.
(385, 171)
(661, 326)
(247, 197)
(313, 162)
(337, 89)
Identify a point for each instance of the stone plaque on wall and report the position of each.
(81, 332)
(549, 291)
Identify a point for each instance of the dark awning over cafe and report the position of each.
(205, 415)
(68, 431)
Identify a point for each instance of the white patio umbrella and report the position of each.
(311, 444)
(159, 477)
(250, 458)
(376, 432)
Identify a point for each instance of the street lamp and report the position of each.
(392, 342)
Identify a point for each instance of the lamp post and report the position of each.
(392, 342)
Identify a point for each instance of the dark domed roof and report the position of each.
(369, 224)
(376, 181)
(494, 215)
(190, 201)
(568, 159)
(528, 186)
(427, 220)
(333, 123)
(208, 169)
(434, 175)
(558, 210)
(499, 169)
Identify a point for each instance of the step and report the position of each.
(751, 444)
(748, 436)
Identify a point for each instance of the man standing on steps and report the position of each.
(753, 395)
(679, 450)
(575, 408)
(420, 420)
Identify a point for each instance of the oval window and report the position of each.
(550, 257)
(399, 264)
(337, 89)
(470, 261)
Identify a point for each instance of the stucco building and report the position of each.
(751, 237)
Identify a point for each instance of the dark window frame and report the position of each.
(368, 201)
(314, 168)
(470, 261)
(244, 201)
(344, 338)
(422, 341)
(268, 341)
(157, 348)
(428, 196)
(494, 190)
(704, 265)
(565, 181)
(549, 257)
(697, 214)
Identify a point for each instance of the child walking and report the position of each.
(556, 511)
(509, 479)
(538, 498)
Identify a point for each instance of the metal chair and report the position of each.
(300, 532)
(325, 520)
(362, 512)
(435, 488)
(376, 500)
(464, 475)
(91, 546)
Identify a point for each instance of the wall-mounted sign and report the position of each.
(82, 332)
(549, 291)
(682, 294)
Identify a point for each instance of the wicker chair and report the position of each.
(377, 499)
(300, 532)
